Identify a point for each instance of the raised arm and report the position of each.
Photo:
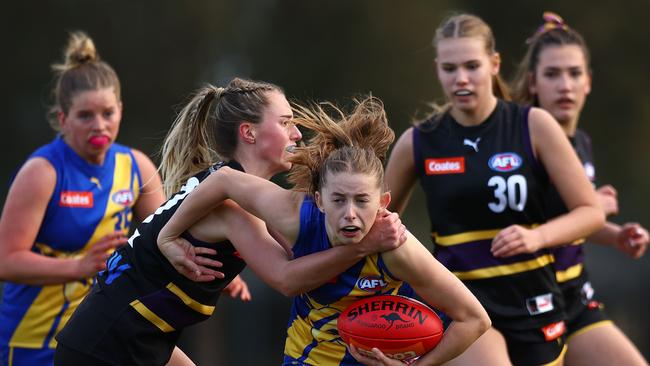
(267, 258)
(21, 219)
(413, 263)
(400, 172)
(280, 208)
(585, 214)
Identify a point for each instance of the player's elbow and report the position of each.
(484, 323)
(288, 289)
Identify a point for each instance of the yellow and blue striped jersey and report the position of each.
(312, 335)
(88, 202)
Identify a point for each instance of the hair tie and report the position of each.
(551, 21)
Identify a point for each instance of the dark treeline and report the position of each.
(333, 50)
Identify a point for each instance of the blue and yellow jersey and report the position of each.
(88, 202)
(312, 335)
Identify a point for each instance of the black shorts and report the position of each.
(530, 347)
(64, 356)
(583, 310)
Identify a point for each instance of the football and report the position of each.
(401, 327)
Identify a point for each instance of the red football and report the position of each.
(402, 328)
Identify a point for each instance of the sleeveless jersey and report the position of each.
(88, 202)
(569, 258)
(140, 303)
(312, 334)
(477, 181)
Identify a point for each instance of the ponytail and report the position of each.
(188, 146)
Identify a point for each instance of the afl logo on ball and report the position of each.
(371, 283)
(505, 162)
(123, 197)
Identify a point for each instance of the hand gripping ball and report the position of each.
(402, 328)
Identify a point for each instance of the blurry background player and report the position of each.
(484, 165)
(555, 75)
(70, 203)
(140, 305)
(339, 191)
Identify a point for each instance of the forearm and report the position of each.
(293, 277)
(456, 339)
(30, 268)
(607, 235)
(578, 223)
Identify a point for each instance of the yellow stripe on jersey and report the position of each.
(190, 302)
(569, 273)
(38, 320)
(121, 180)
(150, 316)
(462, 238)
(469, 236)
(506, 269)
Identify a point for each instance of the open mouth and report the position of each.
(290, 149)
(463, 93)
(350, 231)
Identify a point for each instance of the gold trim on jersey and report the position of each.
(150, 316)
(589, 327)
(39, 318)
(190, 302)
(469, 236)
(569, 273)
(505, 269)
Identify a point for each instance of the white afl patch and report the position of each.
(123, 197)
(540, 304)
(505, 162)
(371, 283)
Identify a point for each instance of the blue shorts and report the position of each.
(15, 356)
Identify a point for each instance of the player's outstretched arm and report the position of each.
(438, 287)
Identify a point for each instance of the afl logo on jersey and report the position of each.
(123, 197)
(505, 162)
(371, 283)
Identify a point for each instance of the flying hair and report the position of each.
(357, 142)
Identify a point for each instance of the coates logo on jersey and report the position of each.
(76, 199)
(505, 162)
(455, 165)
(123, 197)
(371, 283)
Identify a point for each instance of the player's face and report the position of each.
(465, 71)
(92, 123)
(276, 134)
(561, 82)
(350, 202)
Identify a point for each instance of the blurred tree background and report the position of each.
(331, 50)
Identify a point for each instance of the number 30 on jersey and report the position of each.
(509, 192)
